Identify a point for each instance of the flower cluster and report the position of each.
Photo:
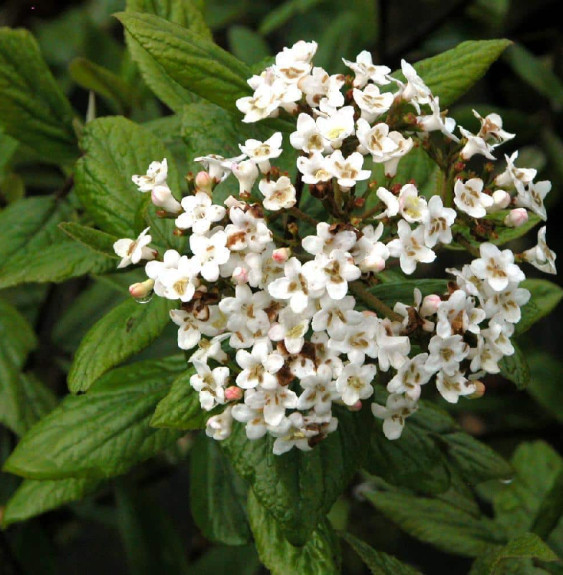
(276, 308)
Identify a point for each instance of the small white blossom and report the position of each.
(218, 167)
(307, 137)
(541, 256)
(278, 195)
(410, 247)
(451, 387)
(515, 177)
(258, 367)
(372, 102)
(412, 207)
(219, 427)
(291, 328)
(532, 196)
(156, 175)
(496, 268)
(314, 169)
(396, 410)
(328, 239)
(469, 197)
(411, 375)
(365, 70)
(338, 126)
(133, 251)
(262, 152)
(210, 383)
(348, 171)
(210, 253)
(415, 91)
(332, 273)
(355, 382)
(438, 222)
(294, 286)
(199, 213)
(446, 354)
(179, 282)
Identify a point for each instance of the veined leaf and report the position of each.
(103, 433)
(125, 330)
(217, 495)
(319, 556)
(33, 109)
(188, 59)
(96, 240)
(545, 297)
(515, 367)
(34, 249)
(392, 292)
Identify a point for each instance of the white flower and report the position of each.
(485, 356)
(410, 248)
(541, 256)
(161, 196)
(415, 90)
(412, 207)
(296, 434)
(458, 314)
(314, 169)
(291, 328)
(246, 173)
(247, 231)
(438, 222)
(210, 349)
(262, 152)
(219, 427)
(332, 272)
(475, 145)
(191, 328)
(451, 387)
(294, 286)
(348, 170)
(153, 269)
(436, 121)
(446, 354)
(179, 282)
(258, 367)
(532, 197)
(355, 382)
(133, 251)
(319, 85)
(390, 201)
(411, 375)
(506, 304)
(307, 136)
(328, 239)
(372, 102)
(210, 253)
(358, 340)
(333, 315)
(338, 126)
(273, 402)
(392, 350)
(513, 176)
(278, 195)
(156, 175)
(496, 268)
(491, 128)
(365, 70)
(319, 391)
(469, 197)
(210, 384)
(369, 253)
(199, 213)
(218, 167)
(396, 410)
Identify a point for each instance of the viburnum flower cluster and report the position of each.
(275, 307)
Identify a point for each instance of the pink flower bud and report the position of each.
(141, 290)
(501, 199)
(233, 393)
(204, 183)
(479, 390)
(281, 255)
(368, 313)
(356, 407)
(430, 305)
(240, 275)
(162, 197)
(516, 218)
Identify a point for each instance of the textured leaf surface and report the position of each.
(299, 488)
(125, 330)
(515, 367)
(403, 290)
(103, 433)
(33, 109)
(545, 297)
(319, 556)
(191, 61)
(34, 249)
(94, 239)
(217, 495)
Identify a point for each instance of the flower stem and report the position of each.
(302, 215)
(374, 302)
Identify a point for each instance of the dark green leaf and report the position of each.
(116, 149)
(545, 297)
(103, 433)
(545, 385)
(223, 560)
(126, 329)
(319, 556)
(418, 166)
(190, 60)
(515, 367)
(450, 75)
(551, 509)
(379, 563)
(247, 45)
(34, 497)
(33, 109)
(283, 13)
(217, 495)
(34, 249)
(94, 239)
(180, 409)
(299, 488)
(403, 291)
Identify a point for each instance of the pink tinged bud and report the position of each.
(141, 290)
(204, 183)
(501, 199)
(368, 313)
(240, 275)
(356, 407)
(430, 305)
(162, 197)
(233, 393)
(516, 218)
(281, 255)
(479, 390)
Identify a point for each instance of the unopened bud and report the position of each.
(281, 255)
(359, 202)
(246, 173)
(479, 390)
(293, 228)
(459, 166)
(233, 393)
(369, 313)
(516, 218)
(501, 200)
(204, 183)
(162, 197)
(141, 290)
(356, 222)
(240, 275)
(356, 406)
(430, 305)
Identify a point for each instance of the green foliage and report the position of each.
(515, 368)
(545, 296)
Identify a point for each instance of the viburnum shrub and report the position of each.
(278, 310)
(342, 268)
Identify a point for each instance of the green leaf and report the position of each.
(34, 249)
(299, 488)
(126, 329)
(545, 297)
(114, 150)
(551, 509)
(319, 556)
(545, 385)
(441, 524)
(378, 563)
(91, 238)
(102, 81)
(152, 543)
(217, 495)
(190, 60)
(392, 292)
(418, 166)
(283, 14)
(515, 367)
(223, 560)
(33, 109)
(180, 409)
(103, 433)
(247, 45)
(451, 74)
(533, 71)
(35, 496)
